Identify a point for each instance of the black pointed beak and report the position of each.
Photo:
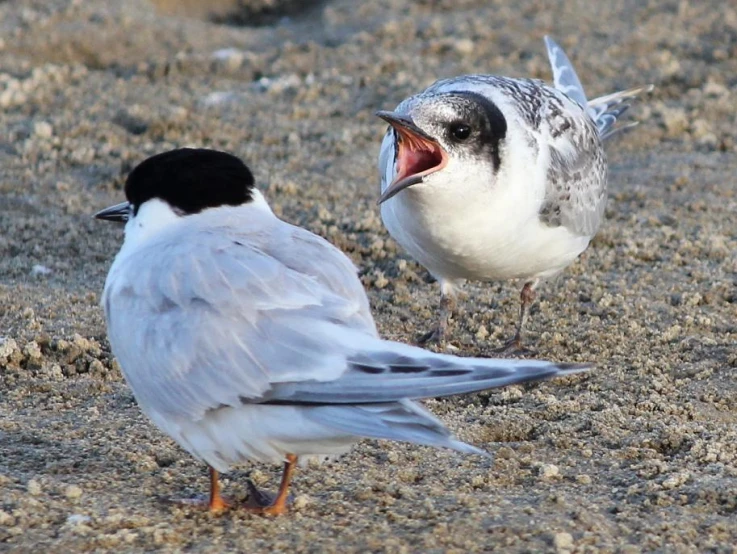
(422, 149)
(399, 122)
(398, 186)
(120, 213)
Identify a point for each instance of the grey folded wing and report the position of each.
(199, 324)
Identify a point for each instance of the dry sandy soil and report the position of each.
(638, 455)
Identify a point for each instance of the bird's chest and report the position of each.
(463, 232)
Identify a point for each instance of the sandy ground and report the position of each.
(640, 455)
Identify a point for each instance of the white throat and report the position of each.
(153, 216)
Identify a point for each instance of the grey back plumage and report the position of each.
(222, 315)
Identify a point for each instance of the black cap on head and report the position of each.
(191, 180)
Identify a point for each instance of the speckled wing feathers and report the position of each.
(575, 194)
(576, 190)
(577, 175)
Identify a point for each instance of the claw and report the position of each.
(513, 347)
(436, 335)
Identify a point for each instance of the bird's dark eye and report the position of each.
(460, 131)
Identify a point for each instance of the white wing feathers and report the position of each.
(402, 421)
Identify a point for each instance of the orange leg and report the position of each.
(279, 505)
(259, 502)
(217, 503)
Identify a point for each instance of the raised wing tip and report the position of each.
(549, 42)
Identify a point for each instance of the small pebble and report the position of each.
(43, 129)
(33, 487)
(301, 502)
(549, 471)
(563, 542)
(6, 519)
(73, 492)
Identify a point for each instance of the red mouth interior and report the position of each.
(418, 156)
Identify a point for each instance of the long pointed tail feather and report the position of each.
(375, 396)
(398, 371)
(378, 403)
(400, 421)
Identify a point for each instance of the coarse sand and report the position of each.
(638, 455)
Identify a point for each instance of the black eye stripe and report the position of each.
(487, 122)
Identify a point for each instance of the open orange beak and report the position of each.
(419, 154)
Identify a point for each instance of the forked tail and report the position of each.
(605, 110)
